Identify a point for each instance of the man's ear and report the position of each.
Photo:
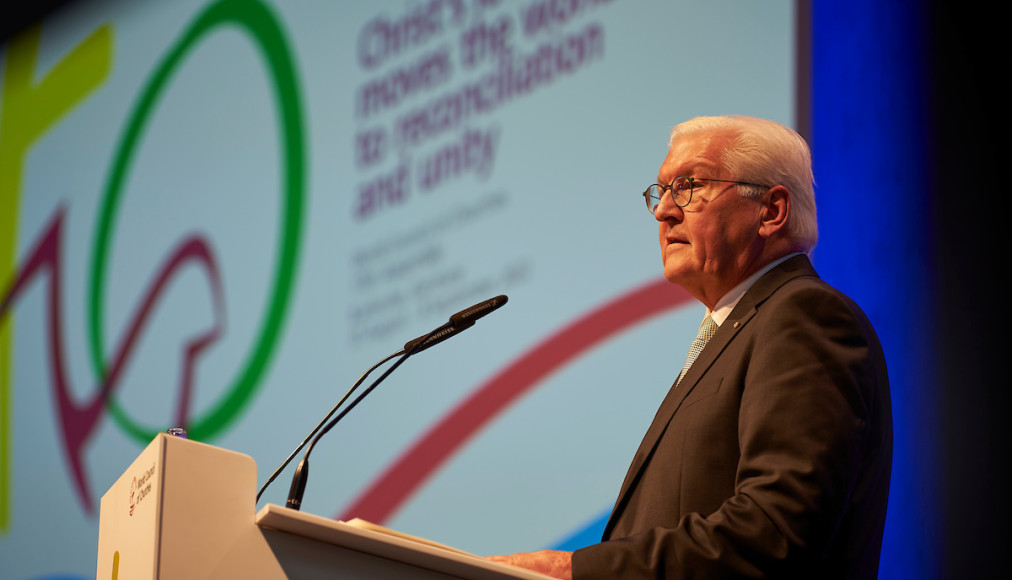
(776, 208)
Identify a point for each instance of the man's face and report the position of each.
(713, 244)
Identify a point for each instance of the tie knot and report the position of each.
(706, 331)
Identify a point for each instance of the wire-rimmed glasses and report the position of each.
(681, 189)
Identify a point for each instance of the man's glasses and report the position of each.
(681, 191)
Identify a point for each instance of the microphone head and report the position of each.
(439, 335)
(458, 323)
(469, 315)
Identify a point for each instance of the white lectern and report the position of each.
(185, 510)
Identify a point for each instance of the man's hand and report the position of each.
(550, 562)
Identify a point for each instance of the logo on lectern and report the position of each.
(140, 487)
(133, 494)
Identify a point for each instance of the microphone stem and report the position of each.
(323, 422)
(299, 483)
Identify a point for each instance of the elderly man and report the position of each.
(770, 455)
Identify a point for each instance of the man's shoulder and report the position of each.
(812, 291)
(809, 300)
(792, 274)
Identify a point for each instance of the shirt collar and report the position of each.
(727, 302)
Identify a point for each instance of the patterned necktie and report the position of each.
(706, 331)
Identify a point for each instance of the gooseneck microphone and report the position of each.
(457, 324)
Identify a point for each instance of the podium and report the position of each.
(187, 510)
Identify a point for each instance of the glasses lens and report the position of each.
(681, 191)
(653, 196)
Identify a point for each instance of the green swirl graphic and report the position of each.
(254, 18)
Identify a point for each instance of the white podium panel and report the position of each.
(182, 510)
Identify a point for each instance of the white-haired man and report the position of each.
(770, 456)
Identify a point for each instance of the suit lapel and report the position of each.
(743, 312)
(672, 401)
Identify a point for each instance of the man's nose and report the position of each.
(667, 208)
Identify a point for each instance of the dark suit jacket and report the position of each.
(771, 458)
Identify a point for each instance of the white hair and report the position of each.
(767, 153)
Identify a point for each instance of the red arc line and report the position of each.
(407, 473)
